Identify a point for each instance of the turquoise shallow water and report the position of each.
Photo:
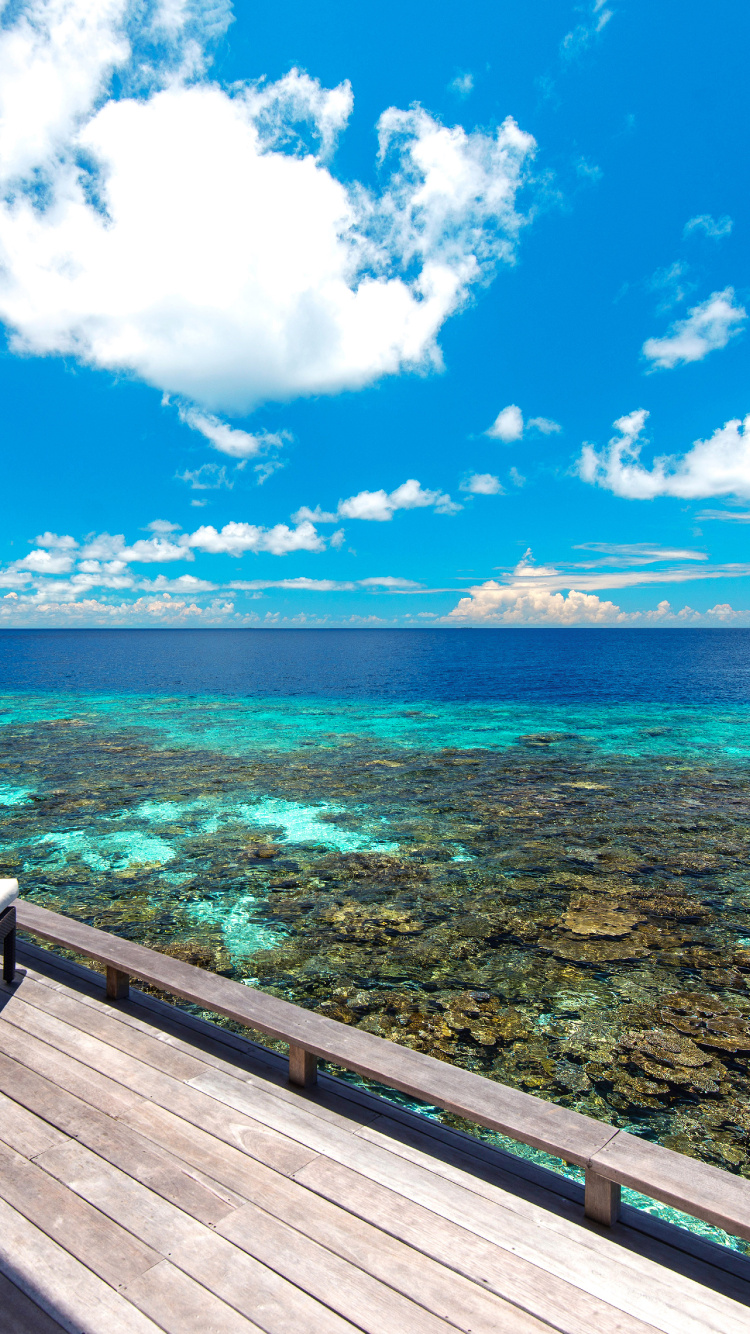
(713, 733)
(569, 864)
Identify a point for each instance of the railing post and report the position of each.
(8, 929)
(118, 984)
(303, 1066)
(601, 1198)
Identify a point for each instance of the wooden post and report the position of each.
(8, 928)
(118, 984)
(303, 1067)
(602, 1198)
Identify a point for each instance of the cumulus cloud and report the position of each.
(719, 466)
(510, 606)
(380, 506)
(482, 484)
(55, 542)
(155, 550)
(509, 425)
(706, 328)
(715, 228)
(234, 539)
(534, 594)
(185, 583)
(196, 237)
(46, 562)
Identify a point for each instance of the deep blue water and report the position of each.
(588, 665)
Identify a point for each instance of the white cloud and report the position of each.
(636, 553)
(380, 506)
(54, 541)
(301, 583)
(707, 327)
(326, 585)
(673, 284)
(462, 85)
(228, 439)
(195, 237)
(544, 425)
(588, 171)
(186, 583)
(726, 516)
(546, 595)
(387, 581)
(163, 609)
(155, 550)
(482, 484)
(574, 43)
(716, 228)
(508, 424)
(162, 526)
(105, 546)
(516, 477)
(42, 562)
(236, 538)
(209, 477)
(719, 466)
(509, 606)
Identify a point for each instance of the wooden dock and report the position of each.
(158, 1172)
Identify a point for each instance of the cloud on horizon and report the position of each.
(545, 595)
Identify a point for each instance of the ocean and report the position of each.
(523, 851)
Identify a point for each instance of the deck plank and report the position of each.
(183, 1184)
(593, 1264)
(68, 1073)
(62, 1286)
(260, 1208)
(254, 1228)
(277, 1306)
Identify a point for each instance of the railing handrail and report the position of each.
(611, 1158)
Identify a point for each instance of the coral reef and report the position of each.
(573, 923)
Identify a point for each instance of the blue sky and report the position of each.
(374, 315)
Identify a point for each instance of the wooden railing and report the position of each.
(611, 1158)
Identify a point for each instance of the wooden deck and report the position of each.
(158, 1173)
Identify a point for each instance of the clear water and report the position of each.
(522, 851)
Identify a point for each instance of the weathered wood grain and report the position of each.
(576, 1289)
(182, 1306)
(273, 1303)
(97, 1241)
(63, 1287)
